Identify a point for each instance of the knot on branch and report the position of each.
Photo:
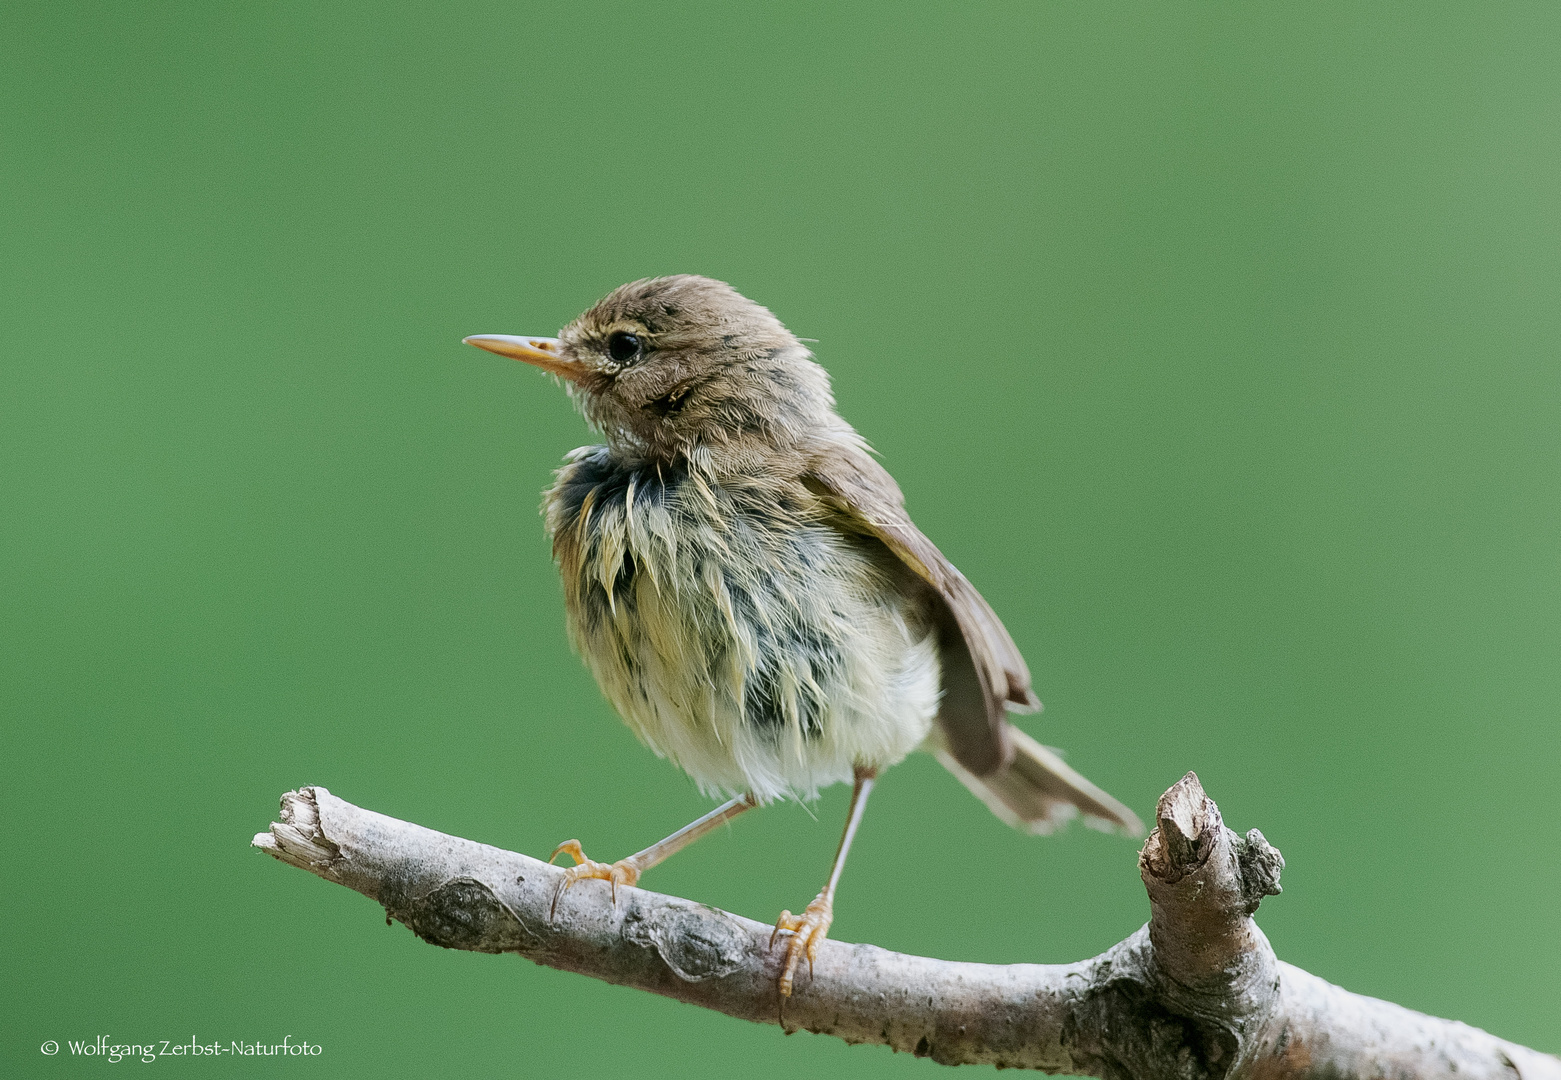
(1260, 864)
(465, 913)
(694, 941)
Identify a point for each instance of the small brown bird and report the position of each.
(741, 577)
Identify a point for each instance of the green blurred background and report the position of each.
(1218, 345)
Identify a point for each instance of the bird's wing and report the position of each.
(983, 673)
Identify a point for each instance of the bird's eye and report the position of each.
(623, 347)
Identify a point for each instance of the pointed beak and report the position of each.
(541, 352)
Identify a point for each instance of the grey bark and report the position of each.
(1196, 994)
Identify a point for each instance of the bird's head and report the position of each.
(684, 367)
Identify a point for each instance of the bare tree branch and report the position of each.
(1197, 994)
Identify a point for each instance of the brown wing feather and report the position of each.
(983, 673)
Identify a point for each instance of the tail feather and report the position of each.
(1040, 792)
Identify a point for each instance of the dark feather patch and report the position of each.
(605, 482)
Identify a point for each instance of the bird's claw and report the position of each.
(622, 872)
(808, 931)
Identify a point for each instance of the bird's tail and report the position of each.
(1039, 791)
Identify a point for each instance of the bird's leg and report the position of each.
(628, 871)
(809, 929)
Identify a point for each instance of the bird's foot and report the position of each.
(808, 931)
(622, 872)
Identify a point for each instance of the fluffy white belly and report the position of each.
(759, 648)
